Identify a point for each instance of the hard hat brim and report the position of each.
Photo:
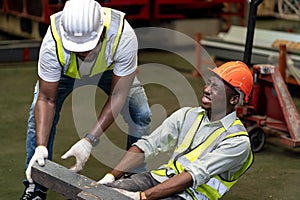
(80, 46)
(211, 72)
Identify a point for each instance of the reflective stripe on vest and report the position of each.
(113, 21)
(184, 156)
(209, 189)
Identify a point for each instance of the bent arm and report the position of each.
(170, 187)
(133, 158)
(120, 87)
(45, 110)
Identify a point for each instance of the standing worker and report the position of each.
(212, 147)
(85, 44)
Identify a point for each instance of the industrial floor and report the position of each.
(275, 173)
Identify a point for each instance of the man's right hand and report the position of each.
(40, 154)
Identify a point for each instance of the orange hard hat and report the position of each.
(236, 74)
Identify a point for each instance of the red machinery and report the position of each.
(34, 10)
(170, 9)
(38, 11)
(271, 109)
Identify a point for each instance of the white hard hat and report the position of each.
(81, 25)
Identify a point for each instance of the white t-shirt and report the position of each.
(125, 57)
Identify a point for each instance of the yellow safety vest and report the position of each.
(183, 156)
(113, 21)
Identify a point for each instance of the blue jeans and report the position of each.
(136, 111)
(139, 182)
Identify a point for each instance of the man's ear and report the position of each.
(234, 99)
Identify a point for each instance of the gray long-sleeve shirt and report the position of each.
(225, 160)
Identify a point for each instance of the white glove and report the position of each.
(40, 154)
(132, 195)
(81, 150)
(108, 178)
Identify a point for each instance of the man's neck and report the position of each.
(214, 116)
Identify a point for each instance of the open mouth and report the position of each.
(206, 99)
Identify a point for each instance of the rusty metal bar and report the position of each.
(72, 185)
(19, 50)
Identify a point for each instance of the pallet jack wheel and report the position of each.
(257, 138)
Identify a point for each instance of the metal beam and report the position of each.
(72, 185)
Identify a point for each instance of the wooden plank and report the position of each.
(72, 185)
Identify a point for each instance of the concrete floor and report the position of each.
(274, 174)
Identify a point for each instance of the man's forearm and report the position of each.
(107, 116)
(170, 187)
(133, 158)
(44, 114)
(119, 90)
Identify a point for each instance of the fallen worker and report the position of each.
(212, 147)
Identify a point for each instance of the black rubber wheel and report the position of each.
(257, 139)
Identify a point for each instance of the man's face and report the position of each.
(90, 55)
(214, 96)
(83, 55)
(87, 55)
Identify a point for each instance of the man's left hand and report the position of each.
(81, 151)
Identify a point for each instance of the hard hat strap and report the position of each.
(241, 94)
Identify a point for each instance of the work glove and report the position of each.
(132, 195)
(81, 150)
(40, 154)
(108, 178)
